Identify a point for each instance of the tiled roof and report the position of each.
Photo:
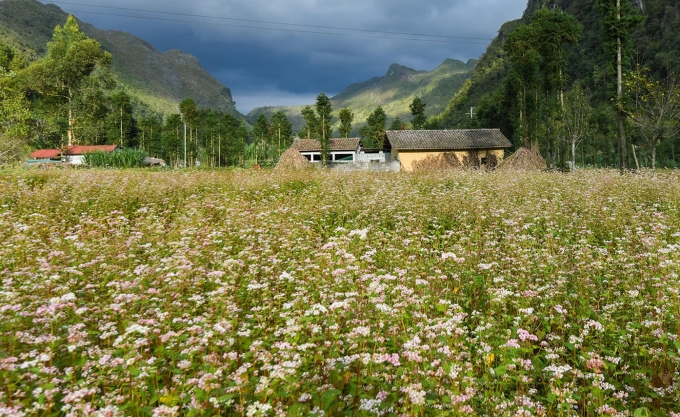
(337, 144)
(411, 140)
(45, 154)
(70, 150)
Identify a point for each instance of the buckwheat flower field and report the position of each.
(202, 293)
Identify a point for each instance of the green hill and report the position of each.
(394, 92)
(156, 80)
(655, 46)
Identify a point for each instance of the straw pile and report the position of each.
(524, 160)
(293, 159)
(440, 162)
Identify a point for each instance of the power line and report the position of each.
(427, 37)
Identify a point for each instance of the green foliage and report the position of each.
(655, 111)
(346, 118)
(125, 158)
(122, 127)
(311, 123)
(398, 124)
(74, 65)
(374, 131)
(417, 108)
(324, 111)
(537, 57)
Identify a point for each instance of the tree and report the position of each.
(523, 55)
(73, 63)
(656, 112)
(150, 129)
(172, 140)
(538, 61)
(282, 130)
(261, 131)
(576, 117)
(374, 131)
(619, 19)
(397, 124)
(346, 119)
(122, 124)
(312, 123)
(15, 109)
(418, 112)
(323, 114)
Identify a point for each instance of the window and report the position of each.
(344, 157)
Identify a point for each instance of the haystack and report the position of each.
(440, 162)
(293, 159)
(523, 160)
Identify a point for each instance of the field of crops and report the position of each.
(266, 293)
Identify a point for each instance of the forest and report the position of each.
(552, 80)
(586, 83)
(69, 97)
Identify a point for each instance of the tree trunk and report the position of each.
(653, 157)
(637, 164)
(573, 155)
(620, 115)
(69, 132)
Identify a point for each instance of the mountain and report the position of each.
(160, 80)
(394, 92)
(654, 46)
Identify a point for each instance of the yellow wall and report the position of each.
(408, 158)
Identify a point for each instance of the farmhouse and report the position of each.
(71, 154)
(340, 150)
(470, 147)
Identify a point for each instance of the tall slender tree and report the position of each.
(122, 125)
(418, 112)
(323, 114)
(282, 130)
(346, 119)
(311, 123)
(619, 18)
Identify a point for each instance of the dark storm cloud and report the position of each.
(290, 63)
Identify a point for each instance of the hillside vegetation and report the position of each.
(652, 46)
(394, 92)
(157, 81)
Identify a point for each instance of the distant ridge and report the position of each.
(394, 91)
(158, 79)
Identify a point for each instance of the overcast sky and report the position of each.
(285, 52)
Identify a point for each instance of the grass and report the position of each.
(267, 293)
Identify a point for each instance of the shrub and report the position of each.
(126, 158)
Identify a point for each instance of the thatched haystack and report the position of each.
(523, 160)
(440, 162)
(293, 159)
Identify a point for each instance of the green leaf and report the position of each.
(641, 412)
(500, 370)
(328, 398)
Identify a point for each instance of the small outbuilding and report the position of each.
(468, 147)
(339, 149)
